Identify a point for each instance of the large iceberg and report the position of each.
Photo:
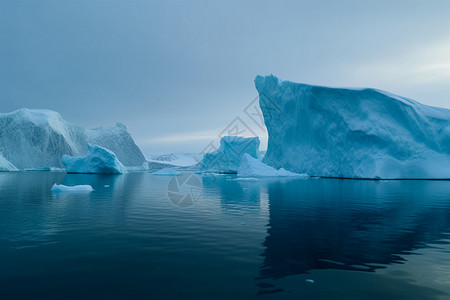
(6, 165)
(352, 133)
(37, 138)
(227, 158)
(98, 160)
(253, 167)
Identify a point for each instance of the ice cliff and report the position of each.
(5, 165)
(36, 138)
(98, 160)
(352, 133)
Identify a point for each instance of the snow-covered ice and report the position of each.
(353, 133)
(167, 172)
(253, 167)
(227, 158)
(60, 188)
(6, 165)
(98, 160)
(43, 136)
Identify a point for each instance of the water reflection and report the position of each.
(351, 225)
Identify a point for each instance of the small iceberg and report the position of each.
(61, 188)
(99, 160)
(167, 172)
(253, 167)
(226, 159)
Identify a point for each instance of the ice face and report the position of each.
(37, 138)
(252, 167)
(354, 133)
(98, 160)
(6, 166)
(228, 157)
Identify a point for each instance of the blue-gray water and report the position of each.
(266, 239)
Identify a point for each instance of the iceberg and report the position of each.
(227, 158)
(43, 136)
(352, 133)
(253, 167)
(167, 172)
(98, 160)
(60, 188)
(6, 166)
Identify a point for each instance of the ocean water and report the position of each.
(140, 236)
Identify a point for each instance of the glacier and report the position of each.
(227, 158)
(98, 160)
(43, 136)
(253, 167)
(6, 166)
(352, 133)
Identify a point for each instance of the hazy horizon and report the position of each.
(177, 73)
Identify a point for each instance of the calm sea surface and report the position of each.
(136, 237)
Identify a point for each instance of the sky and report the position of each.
(177, 73)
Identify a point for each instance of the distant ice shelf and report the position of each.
(167, 172)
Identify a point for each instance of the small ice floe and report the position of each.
(167, 172)
(106, 186)
(245, 179)
(309, 280)
(61, 188)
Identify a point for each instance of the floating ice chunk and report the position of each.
(245, 179)
(228, 157)
(352, 133)
(253, 167)
(167, 172)
(309, 280)
(60, 188)
(6, 166)
(99, 160)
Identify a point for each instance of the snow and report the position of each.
(43, 136)
(60, 188)
(98, 160)
(252, 167)
(227, 158)
(353, 133)
(167, 172)
(6, 166)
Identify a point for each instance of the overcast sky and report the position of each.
(176, 73)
